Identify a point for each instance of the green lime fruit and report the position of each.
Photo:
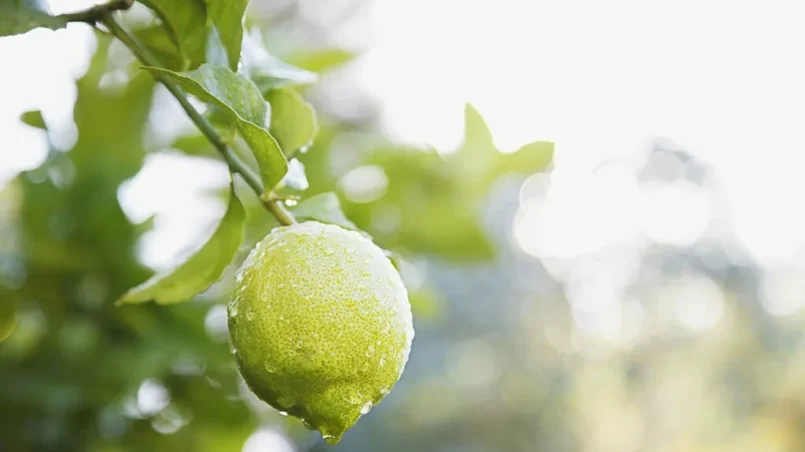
(320, 324)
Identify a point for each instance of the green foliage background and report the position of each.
(74, 363)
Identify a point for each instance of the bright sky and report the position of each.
(725, 79)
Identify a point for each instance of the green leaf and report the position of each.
(194, 145)
(158, 40)
(293, 120)
(22, 16)
(476, 132)
(221, 120)
(530, 158)
(324, 208)
(321, 60)
(187, 22)
(34, 119)
(227, 17)
(480, 162)
(8, 316)
(201, 270)
(238, 97)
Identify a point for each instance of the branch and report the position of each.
(96, 13)
(236, 165)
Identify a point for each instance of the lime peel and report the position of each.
(320, 324)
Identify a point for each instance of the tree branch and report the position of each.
(236, 165)
(97, 12)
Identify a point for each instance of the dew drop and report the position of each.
(282, 413)
(249, 315)
(315, 335)
(366, 408)
(270, 368)
(232, 348)
(382, 361)
(299, 344)
(308, 425)
(329, 439)
(384, 390)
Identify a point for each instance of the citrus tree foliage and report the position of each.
(76, 359)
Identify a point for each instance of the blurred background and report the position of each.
(645, 294)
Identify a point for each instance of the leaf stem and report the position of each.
(236, 165)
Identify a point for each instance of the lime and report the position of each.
(320, 324)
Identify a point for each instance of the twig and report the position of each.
(97, 12)
(236, 165)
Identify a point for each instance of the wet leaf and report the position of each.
(293, 120)
(235, 95)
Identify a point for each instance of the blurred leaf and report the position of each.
(267, 71)
(22, 16)
(194, 145)
(8, 316)
(34, 119)
(437, 214)
(530, 158)
(187, 21)
(273, 73)
(158, 40)
(481, 161)
(477, 137)
(425, 303)
(293, 120)
(324, 208)
(321, 60)
(238, 97)
(227, 17)
(201, 270)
